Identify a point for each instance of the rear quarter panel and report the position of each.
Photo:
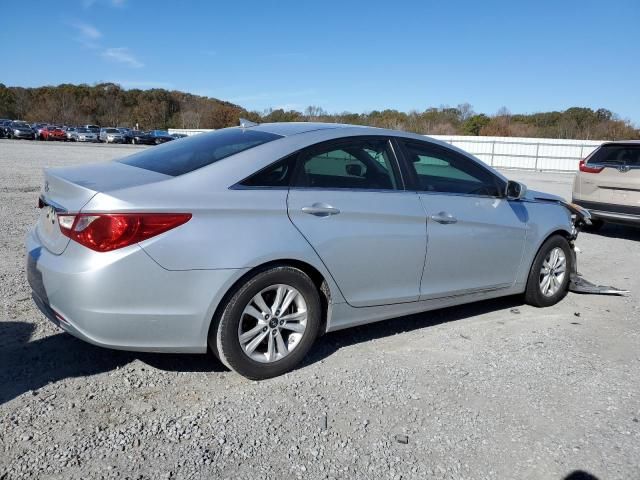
(245, 228)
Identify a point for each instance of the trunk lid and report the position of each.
(69, 189)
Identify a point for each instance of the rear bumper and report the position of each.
(124, 299)
(611, 212)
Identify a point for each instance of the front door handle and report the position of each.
(444, 217)
(321, 210)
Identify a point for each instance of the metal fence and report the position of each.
(525, 153)
(510, 152)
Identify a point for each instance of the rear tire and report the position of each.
(548, 279)
(266, 360)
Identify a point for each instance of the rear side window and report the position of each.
(275, 175)
(178, 158)
(616, 155)
(352, 164)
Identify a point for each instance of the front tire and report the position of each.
(549, 276)
(268, 324)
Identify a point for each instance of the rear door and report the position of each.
(611, 177)
(475, 237)
(347, 199)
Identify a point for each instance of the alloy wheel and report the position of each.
(553, 271)
(273, 323)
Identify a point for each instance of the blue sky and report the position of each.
(340, 55)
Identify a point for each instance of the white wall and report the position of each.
(189, 131)
(510, 152)
(526, 153)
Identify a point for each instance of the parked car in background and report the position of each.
(94, 129)
(81, 134)
(20, 130)
(69, 131)
(127, 133)
(608, 184)
(142, 138)
(4, 124)
(317, 227)
(51, 132)
(111, 135)
(160, 136)
(37, 128)
(179, 135)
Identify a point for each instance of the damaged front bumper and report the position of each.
(577, 284)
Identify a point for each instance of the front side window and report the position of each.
(351, 164)
(440, 170)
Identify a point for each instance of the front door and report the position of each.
(475, 236)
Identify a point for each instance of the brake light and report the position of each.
(587, 169)
(106, 232)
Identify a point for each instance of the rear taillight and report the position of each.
(106, 232)
(587, 169)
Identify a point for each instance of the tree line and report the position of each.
(108, 104)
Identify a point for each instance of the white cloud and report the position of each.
(122, 55)
(88, 31)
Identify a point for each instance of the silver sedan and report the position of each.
(252, 241)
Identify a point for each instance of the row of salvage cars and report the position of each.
(17, 129)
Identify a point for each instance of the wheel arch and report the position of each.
(316, 276)
(562, 232)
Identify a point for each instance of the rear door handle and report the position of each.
(444, 217)
(321, 210)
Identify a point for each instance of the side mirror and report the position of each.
(354, 170)
(515, 190)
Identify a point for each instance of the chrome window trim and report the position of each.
(471, 195)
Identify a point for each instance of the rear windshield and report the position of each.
(616, 155)
(178, 158)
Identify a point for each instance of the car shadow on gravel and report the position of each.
(29, 365)
(328, 344)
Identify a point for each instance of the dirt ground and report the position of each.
(492, 390)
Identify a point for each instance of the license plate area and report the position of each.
(48, 221)
(48, 231)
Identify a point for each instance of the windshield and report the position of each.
(159, 132)
(20, 125)
(82, 130)
(112, 130)
(178, 158)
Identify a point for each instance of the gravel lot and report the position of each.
(496, 389)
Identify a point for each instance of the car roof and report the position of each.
(286, 129)
(633, 143)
